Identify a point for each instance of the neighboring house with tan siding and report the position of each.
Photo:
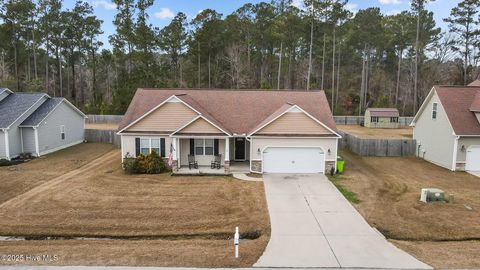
(381, 118)
(271, 131)
(447, 127)
(37, 124)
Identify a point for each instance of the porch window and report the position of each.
(204, 147)
(147, 145)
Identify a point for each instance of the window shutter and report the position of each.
(162, 147)
(137, 146)
(192, 147)
(215, 147)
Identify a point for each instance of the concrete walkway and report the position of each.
(313, 225)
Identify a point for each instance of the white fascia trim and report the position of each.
(40, 99)
(6, 90)
(199, 137)
(454, 160)
(288, 110)
(422, 107)
(144, 134)
(61, 147)
(195, 119)
(155, 108)
(73, 106)
(293, 137)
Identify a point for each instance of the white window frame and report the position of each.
(434, 110)
(150, 145)
(204, 147)
(376, 118)
(394, 119)
(62, 132)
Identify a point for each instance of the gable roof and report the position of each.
(457, 103)
(5, 90)
(475, 83)
(235, 111)
(15, 105)
(475, 107)
(384, 112)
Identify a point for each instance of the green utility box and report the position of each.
(340, 164)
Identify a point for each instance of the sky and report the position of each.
(163, 11)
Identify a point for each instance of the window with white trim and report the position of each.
(434, 110)
(374, 119)
(62, 132)
(204, 147)
(147, 145)
(393, 119)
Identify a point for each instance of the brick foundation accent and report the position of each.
(328, 166)
(226, 166)
(257, 166)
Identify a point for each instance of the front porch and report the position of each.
(234, 152)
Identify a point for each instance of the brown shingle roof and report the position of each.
(237, 111)
(384, 112)
(475, 107)
(456, 101)
(475, 83)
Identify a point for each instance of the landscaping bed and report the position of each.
(441, 234)
(156, 219)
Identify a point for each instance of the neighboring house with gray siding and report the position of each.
(37, 124)
(447, 127)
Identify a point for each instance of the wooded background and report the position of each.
(361, 60)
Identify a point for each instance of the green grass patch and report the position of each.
(350, 195)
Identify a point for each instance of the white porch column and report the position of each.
(37, 147)
(175, 152)
(7, 146)
(227, 149)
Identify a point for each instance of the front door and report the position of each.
(239, 148)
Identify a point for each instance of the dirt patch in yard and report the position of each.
(389, 190)
(197, 215)
(102, 126)
(20, 178)
(377, 133)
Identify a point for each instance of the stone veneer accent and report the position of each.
(328, 166)
(257, 166)
(226, 166)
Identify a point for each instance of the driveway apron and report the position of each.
(313, 225)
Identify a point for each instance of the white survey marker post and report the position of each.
(236, 240)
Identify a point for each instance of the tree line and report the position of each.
(360, 59)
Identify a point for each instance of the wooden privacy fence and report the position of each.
(378, 147)
(356, 120)
(105, 119)
(102, 136)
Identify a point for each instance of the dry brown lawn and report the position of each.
(18, 179)
(102, 126)
(159, 219)
(382, 133)
(389, 191)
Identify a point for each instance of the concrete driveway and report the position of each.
(313, 225)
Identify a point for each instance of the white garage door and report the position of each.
(473, 159)
(293, 160)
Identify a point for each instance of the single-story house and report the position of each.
(37, 124)
(447, 127)
(381, 118)
(271, 131)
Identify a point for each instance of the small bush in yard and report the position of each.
(144, 164)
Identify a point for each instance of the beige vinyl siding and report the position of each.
(28, 136)
(324, 143)
(2, 146)
(435, 139)
(200, 126)
(294, 123)
(477, 114)
(49, 135)
(168, 117)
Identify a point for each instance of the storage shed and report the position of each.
(381, 118)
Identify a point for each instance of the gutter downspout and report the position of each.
(455, 150)
(37, 147)
(251, 148)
